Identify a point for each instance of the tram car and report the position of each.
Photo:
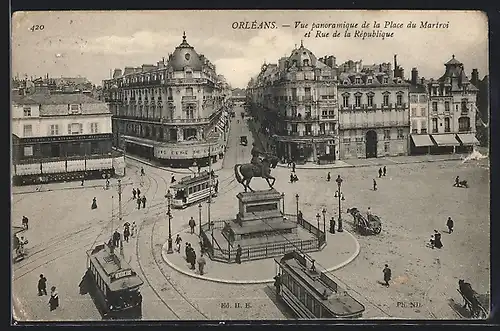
(63, 170)
(311, 293)
(113, 284)
(190, 190)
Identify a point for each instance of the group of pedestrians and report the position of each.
(136, 195)
(42, 290)
(381, 172)
(192, 260)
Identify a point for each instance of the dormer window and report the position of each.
(346, 82)
(27, 111)
(386, 80)
(369, 80)
(74, 108)
(306, 62)
(358, 80)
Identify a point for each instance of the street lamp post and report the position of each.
(283, 208)
(324, 221)
(341, 197)
(199, 216)
(297, 202)
(318, 217)
(169, 215)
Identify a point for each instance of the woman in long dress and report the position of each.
(54, 299)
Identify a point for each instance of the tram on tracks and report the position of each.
(190, 190)
(310, 293)
(113, 284)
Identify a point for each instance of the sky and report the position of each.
(92, 43)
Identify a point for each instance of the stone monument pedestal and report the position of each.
(260, 220)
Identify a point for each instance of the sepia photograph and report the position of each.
(198, 165)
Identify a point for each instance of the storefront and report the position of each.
(444, 143)
(189, 154)
(421, 144)
(302, 150)
(467, 142)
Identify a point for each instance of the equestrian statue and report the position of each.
(260, 166)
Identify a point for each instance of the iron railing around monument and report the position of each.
(226, 252)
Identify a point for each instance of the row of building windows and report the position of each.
(71, 107)
(463, 124)
(414, 112)
(447, 106)
(361, 148)
(357, 100)
(72, 149)
(418, 98)
(73, 128)
(387, 135)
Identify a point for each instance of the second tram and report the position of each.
(115, 287)
(312, 294)
(190, 190)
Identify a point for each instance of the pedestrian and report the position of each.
(83, 179)
(142, 172)
(132, 229)
(374, 184)
(134, 192)
(193, 258)
(42, 285)
(126, 233)
(143, 201)
(238, 255)
(192, 224)
(139, 201)
(379, 172)
(107, 184)
(277, 284)
(54, 299)
(116, 238)
(186, 251)
(328, 177)
(138, 193)
(449, 224)
(178, 241)
(385, 170)
(457, 181)
(369, 213)
(387, 275)
(172, 180)
(293, 166)
(291, 177)
(216, 186)
(25, 222)
(201, 263)
(437, 240)
(94, 203)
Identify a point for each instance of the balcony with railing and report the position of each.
(300, 118)
(387, 106)
(401, 105)
(379, 124)
(189, 98)
(163, 120)
(181, 81)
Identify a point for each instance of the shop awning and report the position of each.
(138, 141)
(468, 139)
(445, 139)
(422, 140)
(220, 126)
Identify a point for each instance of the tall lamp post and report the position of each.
(324, 221)
(200, 206)
(297, 202)
(169, 215)
(338, 194)
(318, 217)
(283, 207)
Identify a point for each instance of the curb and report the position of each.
(265, 281)
(65, 188)
(368, 165)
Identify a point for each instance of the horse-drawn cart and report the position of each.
(365, 225)
(472, 300)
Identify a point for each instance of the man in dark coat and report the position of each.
(116, 239)
(94, 203)
(192, 224)
(387, 275)
(139, 201)
(374, 184)
(437, 239)
(328, 177)
(138, 193)
(134, 192)
(42, 285)
(277, 284)
(193, 259)
(238, 254)
(379, 172)
(186, 251)
(143, 201)
(449, 224)
(293, 166)
(385, 170)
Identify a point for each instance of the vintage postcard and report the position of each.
(250, 165)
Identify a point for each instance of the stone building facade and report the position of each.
(173, 111)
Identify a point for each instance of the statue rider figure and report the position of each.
(256, 154)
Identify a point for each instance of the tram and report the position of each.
(312, 294)
(190, 190)
(115, 287)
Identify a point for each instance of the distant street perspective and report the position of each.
(311, 189)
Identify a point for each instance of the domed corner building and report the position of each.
(173, 111)
(303, 121)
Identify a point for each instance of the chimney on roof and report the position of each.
(422, 80)
(475, 77)
(414, 76)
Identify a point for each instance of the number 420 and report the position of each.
(37, 27)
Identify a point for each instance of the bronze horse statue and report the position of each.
(245, 172)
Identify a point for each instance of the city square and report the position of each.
(413, 200)
(250, 174)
